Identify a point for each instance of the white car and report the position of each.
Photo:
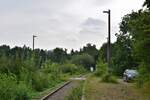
(129, 74)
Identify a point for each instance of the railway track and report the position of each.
(63, 91)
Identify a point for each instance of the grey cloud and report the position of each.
(92, 31)
(65, 23)
(49, 19)
(93, 26)
(93, 22)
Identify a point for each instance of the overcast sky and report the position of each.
(60, 23)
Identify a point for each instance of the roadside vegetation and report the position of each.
(25, 73)
(131, 50)
(103, 73)
(95, 89)
(76, 93)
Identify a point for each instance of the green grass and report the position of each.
(97, 90)
(64, 77)
(39, 95)
(76, 93)
(109, 78)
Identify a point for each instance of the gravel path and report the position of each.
(62, 93)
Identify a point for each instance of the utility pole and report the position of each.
(109, 41)
(33, 40)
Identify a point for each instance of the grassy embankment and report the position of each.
(97, 90)
(65, 78)
(76, 93)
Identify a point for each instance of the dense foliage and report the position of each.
(132, 48)
(24, 72)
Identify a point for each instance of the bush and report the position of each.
(58, 69)
(68, 68)
(22, 92)
(40, 81)
(10, 89)
(52, 68)
(144, 75)
(101, 68)
(7, 86)
(109, 78)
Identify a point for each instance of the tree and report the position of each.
(123, 56)
(147, 3)
(91, 50)
(137, 28)
(84, 60)
(103, 52)
(139, 25)
(59, 55)
(4, 50)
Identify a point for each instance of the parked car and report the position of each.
(129, 75)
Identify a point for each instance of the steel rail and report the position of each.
(55, 91)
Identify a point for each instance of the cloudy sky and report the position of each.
(60, 23)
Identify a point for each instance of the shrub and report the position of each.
(7, 86)
(144, 75)
(10, 89)
(40, 81)
(22, 92)
(68, 68)
(101, 68)
(109, 78)
(52, 68)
